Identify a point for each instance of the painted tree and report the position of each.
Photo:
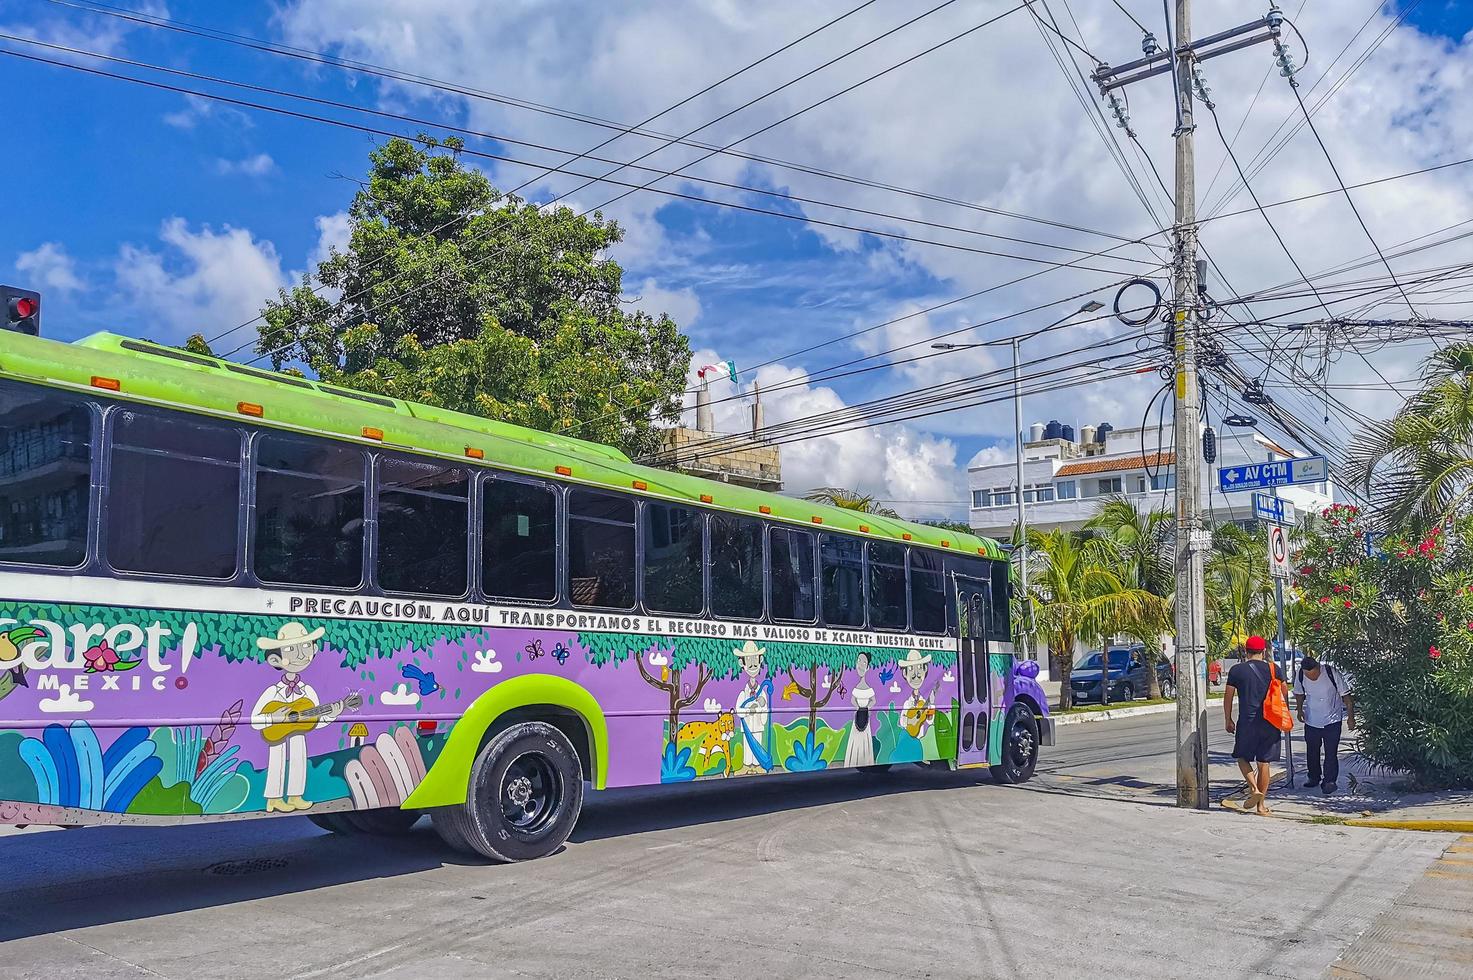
(666, 664)
(819, 662)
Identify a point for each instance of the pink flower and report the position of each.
(1433, 652)
(1324, 599)
(101, 657)
(1348, 604)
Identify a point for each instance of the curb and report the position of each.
(1086, 717)
(1438, 826)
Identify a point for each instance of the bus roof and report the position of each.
(141, 371)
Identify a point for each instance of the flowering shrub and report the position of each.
(1400, 621)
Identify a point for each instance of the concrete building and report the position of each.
(741, 458)
(1065, 478)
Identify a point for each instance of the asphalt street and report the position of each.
(916, 874)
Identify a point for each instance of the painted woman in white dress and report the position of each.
(861, 748)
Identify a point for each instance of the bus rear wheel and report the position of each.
(1019, 746)
(525, 793)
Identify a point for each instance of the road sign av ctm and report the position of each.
(1281, 472)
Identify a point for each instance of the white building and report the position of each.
(1064, 478)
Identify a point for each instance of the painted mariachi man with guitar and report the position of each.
(289, 709)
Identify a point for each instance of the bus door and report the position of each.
(974, 606)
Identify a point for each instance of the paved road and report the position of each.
(1133, 758)
(920, 873)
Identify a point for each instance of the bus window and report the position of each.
(736, 567)
(309, 512)
(423, 527)
(792, 575)
(45, 477)
(673, 563)
(173, 496)
(927, 592)
(886, 586)
(841, 569)
(519, 541)
(1001, 610)
(600, 550)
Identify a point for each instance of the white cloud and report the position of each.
(206, 281)
(66, 701)
(400, 694)
(712, 706)
(486, 662)
(658, 659)
(333, 232)
(683, 305)
(49, 267)
(256, 165)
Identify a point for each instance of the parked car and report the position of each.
(1128, 677)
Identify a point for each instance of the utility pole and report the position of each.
(1192, 538)
(1023, 634)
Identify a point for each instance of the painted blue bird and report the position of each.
(427, 684)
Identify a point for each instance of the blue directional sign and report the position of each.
(1282, 472)
(1274, 510)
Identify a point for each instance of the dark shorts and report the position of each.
(1257, 741)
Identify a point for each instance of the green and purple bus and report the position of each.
(228, 592)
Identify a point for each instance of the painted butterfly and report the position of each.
(560, 654)
(534, 650)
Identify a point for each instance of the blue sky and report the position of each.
(147, 213)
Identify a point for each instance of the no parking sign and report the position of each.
(1278, 552)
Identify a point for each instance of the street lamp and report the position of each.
(1089, 307)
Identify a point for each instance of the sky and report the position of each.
(158, 214)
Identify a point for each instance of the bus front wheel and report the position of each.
(526, 789)
(1019, 746)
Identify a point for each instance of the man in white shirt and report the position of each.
(1322, 695)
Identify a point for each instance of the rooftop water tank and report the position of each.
(1035, 432)
(1102, 432)
(1068, 433)
(1053, 430)
(1087, 434)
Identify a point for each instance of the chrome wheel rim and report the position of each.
(529, 794)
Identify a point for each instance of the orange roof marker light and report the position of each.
(106, 384)
(906, 535)
(472, 452)
(640, 485)
(817, 519)
(764, 509)
(369, 432)
(945, 543)
(250, 408)
(705, 498)
(864, 528)
(563, 470)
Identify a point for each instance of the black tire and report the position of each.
(1127, 691)
(335, 823)
(1168, 688)
(1019, 746)
(874, 770)
(383, 822)
(525, 793)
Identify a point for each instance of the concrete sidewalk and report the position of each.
(1367, 797)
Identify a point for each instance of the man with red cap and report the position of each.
(1255, 740)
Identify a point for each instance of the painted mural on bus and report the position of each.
(284, 714)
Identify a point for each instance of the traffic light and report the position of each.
(22, 310)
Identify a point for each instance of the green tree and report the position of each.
(672, 658)
(1080, 593)
(1400, 622)
(1239, 593)
(960, 527)
(1143, 544)
(849, 500)
(458, 296)
(1417, 466)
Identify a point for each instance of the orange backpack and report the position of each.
(1276, 702)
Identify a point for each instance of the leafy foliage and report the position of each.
(458, 296)
(1401, 622)
(849, 500)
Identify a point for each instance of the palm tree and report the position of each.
(1239, 593)
(1077, 589)
(849, 500)
(1144, 545)
(1417, 466)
